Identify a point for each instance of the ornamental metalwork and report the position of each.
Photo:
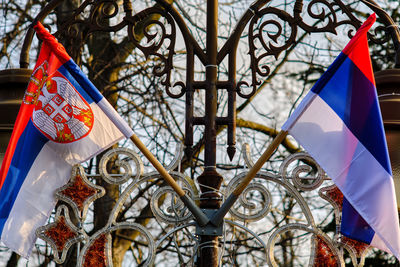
(244, 232)
(254, 205)
(262, 45)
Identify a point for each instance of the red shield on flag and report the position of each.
(61, 114)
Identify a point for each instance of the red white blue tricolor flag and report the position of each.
(339, 123)
(63, 121)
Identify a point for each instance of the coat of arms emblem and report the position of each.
(61, 114)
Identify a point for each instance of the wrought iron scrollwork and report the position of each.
(256, 203)
(120, 158)
(248, 210)
(302, 183)
(298, 174)
(97, 251)
(79, 193)
(155, 35)
(173, 211)
(273, 31)
(324, 250)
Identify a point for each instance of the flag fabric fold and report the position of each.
(63, 120)
(340, 125)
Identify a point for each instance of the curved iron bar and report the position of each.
(152, 45)
(177, 158)
(391, 27)
(24, 57)
(145, 178)
(315, 231)
(275, 179)
(187, 36)
(178, 228)
(106, 232)
(250, 232)
(233, 40)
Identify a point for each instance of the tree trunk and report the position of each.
(13, 261)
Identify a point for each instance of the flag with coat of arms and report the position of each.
(63, 121)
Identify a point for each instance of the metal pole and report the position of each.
(211, 80)
(210, 181)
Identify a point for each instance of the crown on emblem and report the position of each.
(60, 113)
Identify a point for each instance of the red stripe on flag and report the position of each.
(357, 48)
(52, 42)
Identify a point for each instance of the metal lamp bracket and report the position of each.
(209, 228)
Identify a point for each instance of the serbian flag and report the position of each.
(339, 123)
(63, 120)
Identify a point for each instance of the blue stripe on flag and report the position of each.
(29, 145)
(354, 226)
(84, 82)
(360, 112)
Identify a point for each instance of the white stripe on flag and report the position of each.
(35, 201)
(102, 136)
(115, 118)
(307, 100)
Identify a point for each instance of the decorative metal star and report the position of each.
(79, 193)
(324, 255)
(359, 248)
(61, 234)
(333, 195)
(96, 254)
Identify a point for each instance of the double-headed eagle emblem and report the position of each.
(62, 114)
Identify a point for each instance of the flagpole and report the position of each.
(220, 214)
(201, 218)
